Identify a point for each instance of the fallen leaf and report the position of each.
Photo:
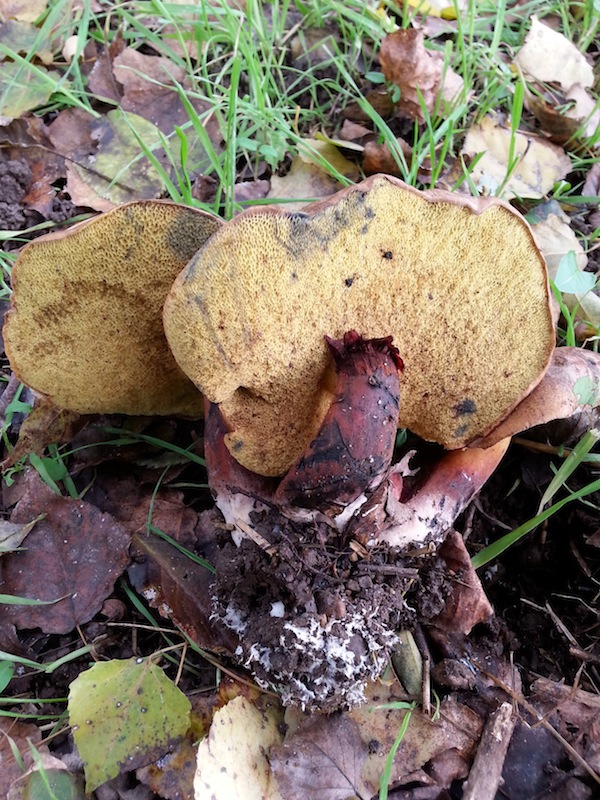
(323, 760)
(539, 163)
(418, 73)
(13, 534)
(570, 386)
(467, 604)
(307, 180)
(181, 591)
(378, 158)
(49, 777)
(233, 760)
(76, 552)
(117, 174)
(45, 424)
(172, 776)
(26, 10)
(379, 721)
(21, 735)
(548, 56)
(23, 87)
(27, 139)
(556, 238)
(583, 110)
(22, 37)
(149, 90)
(591, 187)
(124, 713)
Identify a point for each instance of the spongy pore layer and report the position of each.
(458, 283)
(85, 328)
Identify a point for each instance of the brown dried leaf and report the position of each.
(467, 603)
(307, 180)
(457, 729)
(181, 590)
(378, 158)
(559, 395)
(418, 72)
(45, 424)
(323, 760)
(26, 139)
(77, 552)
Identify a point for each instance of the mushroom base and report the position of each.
(316, 620)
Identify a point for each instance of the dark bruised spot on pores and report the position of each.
(237, 446)
(349, 281)
(466, 406)
(294, 276)
(388, 254)
(460, 431)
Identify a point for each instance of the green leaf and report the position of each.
(7, 670)
(52, 784)
(569, 278)
(587, 391)
(124, 714)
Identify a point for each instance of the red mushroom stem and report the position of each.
(353, 449)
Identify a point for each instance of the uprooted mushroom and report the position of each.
(312, 337)
(264, 320)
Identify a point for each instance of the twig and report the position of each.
(541, 720)
(486, 772)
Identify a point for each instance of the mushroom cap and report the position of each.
(458, 282)
(85, 325)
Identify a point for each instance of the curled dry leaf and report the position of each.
(571, 386)
(540, 163)
(180, 591)
(418, 73)
(74, 291)
(73, 556)
(548, 56)
(467, 604)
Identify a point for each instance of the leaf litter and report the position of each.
(351, 747)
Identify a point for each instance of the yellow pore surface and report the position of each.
(85, 327)
(459, 284)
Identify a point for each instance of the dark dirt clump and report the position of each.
(316, 616)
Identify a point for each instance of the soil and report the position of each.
(316, 617)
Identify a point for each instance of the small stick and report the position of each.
(250, 533)
(486, 772)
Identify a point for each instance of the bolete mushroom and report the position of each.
(457, 282)
(85, 327)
